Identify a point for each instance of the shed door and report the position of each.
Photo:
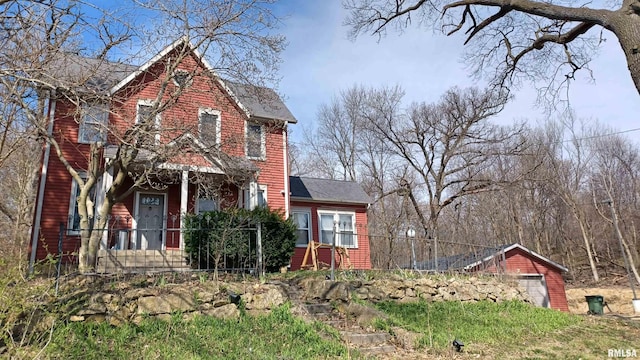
(537, 288)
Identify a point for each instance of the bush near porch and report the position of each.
(231, 233)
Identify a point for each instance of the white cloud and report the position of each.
(320, 61)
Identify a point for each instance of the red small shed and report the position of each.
(539, 275)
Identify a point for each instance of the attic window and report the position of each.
(181, 78)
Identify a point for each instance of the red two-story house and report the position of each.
(204, 131)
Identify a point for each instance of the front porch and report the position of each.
(133, 250)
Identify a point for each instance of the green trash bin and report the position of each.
(596, 304)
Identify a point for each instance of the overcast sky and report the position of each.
(320, 61)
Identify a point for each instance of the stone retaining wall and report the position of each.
(127, 303)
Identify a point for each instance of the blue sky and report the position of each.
(320, 61)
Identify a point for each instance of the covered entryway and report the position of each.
(150, 221)
(535, 286)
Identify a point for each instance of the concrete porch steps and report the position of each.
(124, 261)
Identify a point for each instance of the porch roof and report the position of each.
(221, 164)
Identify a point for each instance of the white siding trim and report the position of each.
(285, 156)
(35, 227)
(184, 197)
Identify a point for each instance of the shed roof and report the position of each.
(470, 260)
(327, 190)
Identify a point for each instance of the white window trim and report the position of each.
(263, 145)
(339, 212)
(146, 102)
(218, 114)
(246, 201)
(100, 124)
(306, 211)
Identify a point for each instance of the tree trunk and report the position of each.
(587, 244)
(627, 251)
(627, 28)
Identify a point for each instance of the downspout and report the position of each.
(285, 148)
(35, 234)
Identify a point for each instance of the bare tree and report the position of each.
(333, 142)
(515, 41)
(614, 169)
(59, 50)
(446, 148)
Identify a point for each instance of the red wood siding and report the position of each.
(521, 262)
(204, 92)
(360, 257)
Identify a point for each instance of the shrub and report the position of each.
(227, 238)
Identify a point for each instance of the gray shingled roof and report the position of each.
(312, 189)
(88, 74)
(96, 75)
(261, 102)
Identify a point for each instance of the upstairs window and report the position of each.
(145, 112)
(181, 78)
(93, 123)
(209, 126)
(255, 147)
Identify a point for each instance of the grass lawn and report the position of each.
(509, 330)
(278, 335)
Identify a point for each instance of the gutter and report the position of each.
(35, 234)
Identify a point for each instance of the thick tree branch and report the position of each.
(546, 10)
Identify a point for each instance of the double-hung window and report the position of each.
(209, 126)
(346, 225)
(73, 223)
(93, 123)
(260, 196)
(255, 141)
(146, 114)
(302, 219)
(205, 202)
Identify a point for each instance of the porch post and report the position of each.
(253, 193)
(105, 184)
(184, 197)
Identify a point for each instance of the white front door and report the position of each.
(150, 221)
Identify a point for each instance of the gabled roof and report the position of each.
(99, 75)
(326, 190)
(470, 260)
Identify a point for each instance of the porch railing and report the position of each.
(145, 249)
